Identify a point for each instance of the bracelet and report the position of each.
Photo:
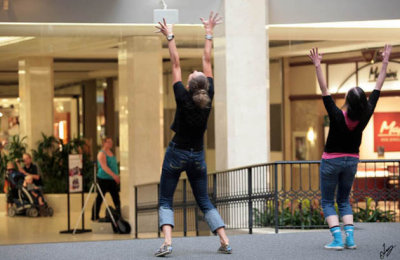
(209, 36)
(170, 37)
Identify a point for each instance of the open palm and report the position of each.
(212, 21)
(315, 57)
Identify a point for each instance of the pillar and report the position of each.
(36, 92)
(242, 85)
(140, 116)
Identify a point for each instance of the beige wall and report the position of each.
(303, 80)
(276, 97)
(275, 83)
(308, 114)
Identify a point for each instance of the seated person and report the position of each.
(30, 168)
(13, 178)
(34, 191)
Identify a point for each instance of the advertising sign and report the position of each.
(387, 131)
(75, 172)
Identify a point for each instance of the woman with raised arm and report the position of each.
(185, 152)
(341, 154)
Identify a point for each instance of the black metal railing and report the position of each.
(284, 194)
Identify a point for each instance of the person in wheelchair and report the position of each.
(13, 179)
(36, 193)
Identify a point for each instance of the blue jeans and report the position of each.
(178, 160)
(337, 173)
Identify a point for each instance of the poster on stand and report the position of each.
(75, 173)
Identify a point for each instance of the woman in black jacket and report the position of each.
(341, 153)
(185, 152)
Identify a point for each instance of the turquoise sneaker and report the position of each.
(349, 231)
(337, 243)
(164, 250)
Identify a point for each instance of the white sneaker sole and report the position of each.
(338, 248)
(163, 253)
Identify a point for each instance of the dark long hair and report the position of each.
(198, 87)
(356, 103)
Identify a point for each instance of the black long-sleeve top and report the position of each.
(190, 121)
(340, 138)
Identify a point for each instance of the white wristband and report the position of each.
(209, 37)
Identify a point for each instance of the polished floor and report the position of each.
(27, 230)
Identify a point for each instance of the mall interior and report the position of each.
(75, 68)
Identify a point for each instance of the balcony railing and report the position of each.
(284, 194)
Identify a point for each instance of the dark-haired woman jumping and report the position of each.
(341, 153)
(185, 152)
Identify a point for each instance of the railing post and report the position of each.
(196, 215)
(398, 193)
(276, 198)
(250, 191)
(184, 209)
(158, 215)
(136, 213)
(214, 195)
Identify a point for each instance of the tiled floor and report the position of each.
(26, 230)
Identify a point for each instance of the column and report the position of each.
(241, 85)
(109, 109)
(36, 92)
(89, 104)
(140, 116)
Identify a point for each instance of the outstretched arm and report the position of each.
(209, 25)
(316, 59)
(173, 52)
(382, 75)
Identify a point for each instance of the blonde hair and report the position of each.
(198, 87)
(10, 164)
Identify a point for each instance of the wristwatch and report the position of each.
(209, 37)
(170, 37)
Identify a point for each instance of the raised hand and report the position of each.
(386, 53)
(164, 28)
(315, 57)
(212, 21)
(385, 61)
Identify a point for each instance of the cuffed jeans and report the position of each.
(178, 160)
(337, 173)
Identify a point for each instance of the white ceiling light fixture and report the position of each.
(171, 16)
(12, 40)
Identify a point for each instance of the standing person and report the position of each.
(107, 177)
(341, 153)
(30, 169)
(185, 152)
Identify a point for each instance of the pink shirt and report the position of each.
(351, 125)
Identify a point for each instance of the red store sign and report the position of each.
(387, 131)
